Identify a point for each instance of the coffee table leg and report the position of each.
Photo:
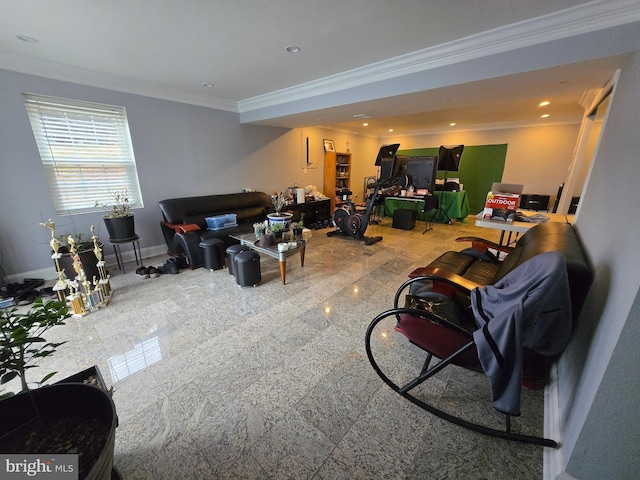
(283, 270)
(302, 256)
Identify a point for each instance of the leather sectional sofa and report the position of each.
(184, 223)
(475, 267)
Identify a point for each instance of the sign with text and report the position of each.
(47, 466)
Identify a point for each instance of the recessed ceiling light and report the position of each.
(208, 85)
(292, 49)
(546, 115)
(390, 130)
(27, 39)
(544, 104)
(452, 124)
(365, 124)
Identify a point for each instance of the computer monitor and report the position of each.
(422, 172)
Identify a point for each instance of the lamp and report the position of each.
(448, 161)
(386, 160)
(387, 152)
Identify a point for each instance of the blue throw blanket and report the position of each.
(529, 307)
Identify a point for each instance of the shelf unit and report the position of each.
(337, 176)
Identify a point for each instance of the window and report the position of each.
(86, 152)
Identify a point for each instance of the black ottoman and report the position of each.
(232, 251)
(404, 219)
(212, 253)
(246, 266)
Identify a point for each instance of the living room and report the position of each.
(184, 150)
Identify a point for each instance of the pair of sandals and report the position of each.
(27, 297)
(16, 289)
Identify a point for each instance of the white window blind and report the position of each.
(86, 152)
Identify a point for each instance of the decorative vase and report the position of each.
(283, 218)
(120, 228)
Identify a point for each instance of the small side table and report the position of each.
(134, 241)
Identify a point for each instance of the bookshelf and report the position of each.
(337, 176)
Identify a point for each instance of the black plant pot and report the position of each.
(38, 411)
(88, 259)
(120, 228)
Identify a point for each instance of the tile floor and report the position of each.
(216, 381)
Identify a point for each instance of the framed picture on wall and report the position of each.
(329, 146)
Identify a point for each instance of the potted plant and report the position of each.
(66, 418)
(119, 218)
(278, 201)
(21, 341)
(84, 248)
(298, 227)
(277, 229)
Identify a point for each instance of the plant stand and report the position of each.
(135, 242)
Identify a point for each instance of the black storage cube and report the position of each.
(404, 219)
(232, 251)
(247, 268)
(212, 253)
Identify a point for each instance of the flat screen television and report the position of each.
(422, 172)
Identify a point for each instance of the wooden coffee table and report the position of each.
(250, 240)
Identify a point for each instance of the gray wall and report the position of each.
(181, 150)
(599, 384)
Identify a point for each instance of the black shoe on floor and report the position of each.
(142, 272)
(170, 267)
(27, 297)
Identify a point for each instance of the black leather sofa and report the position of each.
(474, 267)
(184, 223)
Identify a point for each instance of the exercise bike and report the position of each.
(350, 223)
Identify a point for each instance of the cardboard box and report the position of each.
(502, 202)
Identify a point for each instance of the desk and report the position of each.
(134, 241)
(454, 205)
(518, 227)
(422, 205)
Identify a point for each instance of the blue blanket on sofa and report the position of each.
(530, 307)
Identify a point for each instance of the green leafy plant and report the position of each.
(21, 339)
(119, 206)
(82, 242)
(277, 227)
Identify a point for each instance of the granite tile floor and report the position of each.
(212, 380)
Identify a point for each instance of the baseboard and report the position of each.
(110, 260)
(552, 457)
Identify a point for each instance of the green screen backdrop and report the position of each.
(480, 166)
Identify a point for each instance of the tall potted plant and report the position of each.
(119, 218)
(282, 218)
(66, 418)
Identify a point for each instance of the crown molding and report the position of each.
(585, 18)
(65, 73)
(578, 20)
(476, 128)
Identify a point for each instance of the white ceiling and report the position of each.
(170, 48)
